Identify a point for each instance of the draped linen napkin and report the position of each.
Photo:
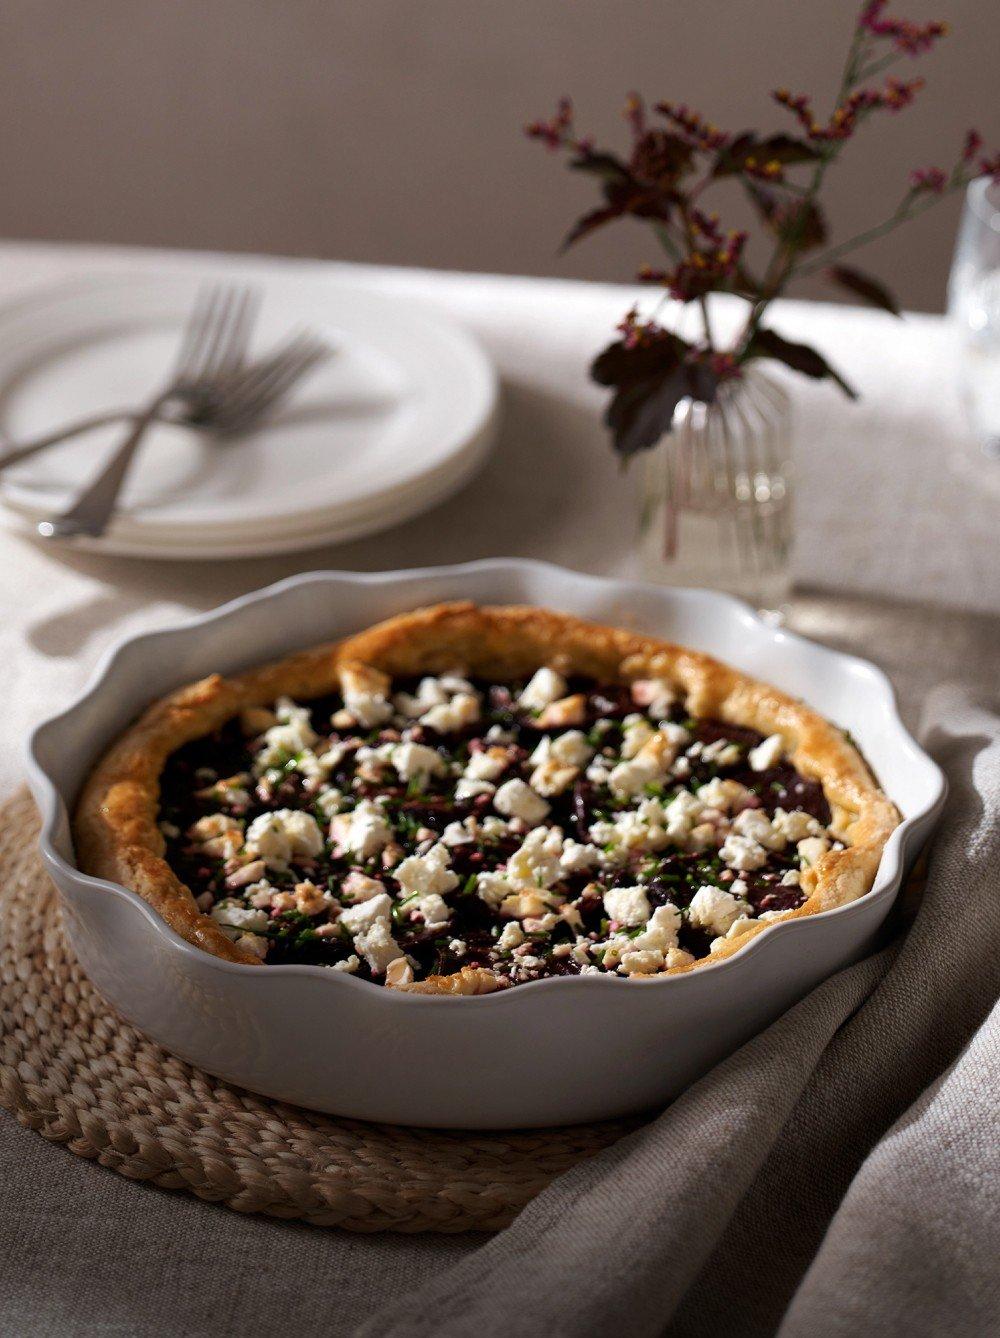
(839, 1174)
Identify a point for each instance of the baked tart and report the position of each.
(465, 799)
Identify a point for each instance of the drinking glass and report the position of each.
(974, 306)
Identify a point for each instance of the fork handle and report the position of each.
(91, 513)
(90, 424)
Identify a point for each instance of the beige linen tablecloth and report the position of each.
(82, 1251)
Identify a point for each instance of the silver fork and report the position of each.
(234, 398)
(211, 358)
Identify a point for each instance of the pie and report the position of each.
(465, 799)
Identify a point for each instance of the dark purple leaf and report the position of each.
(660, 158)
(800, 225)
(641, 412)
(588, 224)
(800, 357)
(865, 287)
(604, 165)
(621, 364)
(649, 379)
(783, 149)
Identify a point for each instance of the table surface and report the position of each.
(897, 559)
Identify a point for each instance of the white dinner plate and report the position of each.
(401, 415)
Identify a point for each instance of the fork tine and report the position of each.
(196, 328)
(258, 377)
(219, 336)
(267, 385)
(244, 320)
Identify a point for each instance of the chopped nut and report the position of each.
(399, 972)
(570, 710)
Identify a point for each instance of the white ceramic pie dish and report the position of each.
(555, 1051)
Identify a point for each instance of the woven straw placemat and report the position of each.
(73, 1070)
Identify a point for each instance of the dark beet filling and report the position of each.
(671, 875)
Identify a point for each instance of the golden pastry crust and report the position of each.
(116, 831)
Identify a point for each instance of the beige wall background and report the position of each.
(390, 130)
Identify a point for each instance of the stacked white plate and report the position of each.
(399, 418)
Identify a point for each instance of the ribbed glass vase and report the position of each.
(716, 495)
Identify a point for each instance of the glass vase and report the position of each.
(716, 495)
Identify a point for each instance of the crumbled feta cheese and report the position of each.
(364, 831)
(515, 799)
(510, 937)
(365, 691)
(577, 858)
(217, 834)
(721, 752)
(602, 833)
(796, 826)
(348, 965)
(656, 694)
(356, 919)
(434, 909)
(493, 888)
(378, 947)
(631, 778)
(417, 762)
(650, 763)
(459, 833)
(458, 946)
(724, 795)
(812, 849)
(372, 763)
(570, 748)
(678, 957)
(791, 878)
(330, 802)
(293, 734)
(736, 930)
(628, 905)
(428, 873)
(537, 861)
(487, 765)
(661, 929)
(458, 713)
(681, 814)
(641, 962)
(545, 687)
(259, 894)
(284, 835)
(740, 852)
(638, 831)
(471, 789)
(637, 732)
(754, 823)
(767, 754)
(714, 909)
(233, 916)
